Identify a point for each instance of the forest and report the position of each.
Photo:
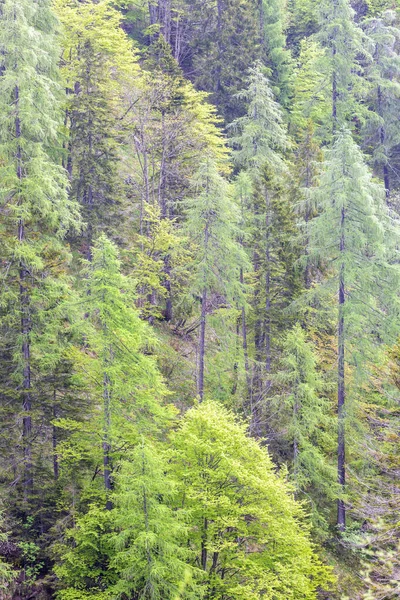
(199, 299)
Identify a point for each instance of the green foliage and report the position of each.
(344, 45)
(260, 135)
(211, 223)
(151, 557)
(309, 423)
(248, 533)
(351, 205)
(273, 43)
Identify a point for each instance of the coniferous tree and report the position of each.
(382, 133)
(121, 372)
(343, 41)
(36, 210)
(97, 59)
(352, 231)
(259, 141)
(310, 422)
(275, 54)
(151, 557)
(211, 222)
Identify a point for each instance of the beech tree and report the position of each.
(227, 484)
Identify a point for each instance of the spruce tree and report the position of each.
(97, 59)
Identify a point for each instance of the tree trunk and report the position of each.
(204, 546)
(267, 336)
(245, 345)
(202, 344)
(56, 467)
(24, 300)
(382, 137)
(341, 515)
(106, 440)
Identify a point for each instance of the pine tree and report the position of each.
(36, 210)
(352, 232)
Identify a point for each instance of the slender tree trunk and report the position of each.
(261, 23)
(154, 14)
(341, 515)
(24, 300)
(220, 9)
(382, 137)
(106, 439)
(267, 336)
(245, 344)
(236, 363)
(296, 451)
(56, 467)
(256, 388)
(202, 344)
(204, 546)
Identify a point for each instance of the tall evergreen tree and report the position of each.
(121, 371)
(352, 232)
(343, 41)
(308, 422)
(97, 59)
(382, 132)
(35, 206)
(211, 222)
(274, 51)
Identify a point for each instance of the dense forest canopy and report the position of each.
(199, 299)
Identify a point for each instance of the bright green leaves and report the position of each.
(247, 530)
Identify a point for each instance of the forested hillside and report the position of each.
(199, 299)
